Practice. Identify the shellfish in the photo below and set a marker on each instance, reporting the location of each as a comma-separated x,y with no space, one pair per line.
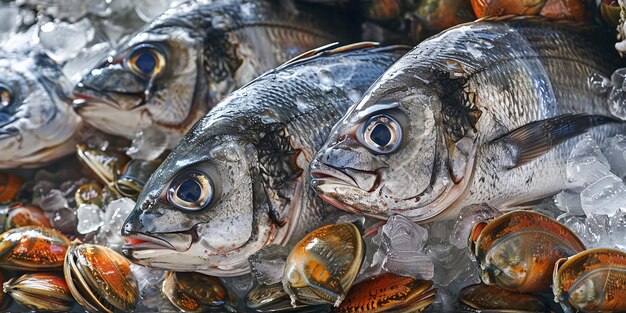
322,266
9,187
485,297
100,279
44,291
21,214
32,248
593,280
517,251
195,292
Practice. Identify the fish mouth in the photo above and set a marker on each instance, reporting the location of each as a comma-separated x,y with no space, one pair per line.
139,242
322,173
8,132
84,96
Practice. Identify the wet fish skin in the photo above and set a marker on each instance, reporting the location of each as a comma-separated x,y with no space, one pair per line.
463,99
198,51
37,123
255,147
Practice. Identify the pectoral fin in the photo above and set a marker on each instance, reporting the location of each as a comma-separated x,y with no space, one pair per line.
533,140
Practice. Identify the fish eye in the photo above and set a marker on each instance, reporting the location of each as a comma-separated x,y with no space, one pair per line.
146,61
381,133
191,191
5,97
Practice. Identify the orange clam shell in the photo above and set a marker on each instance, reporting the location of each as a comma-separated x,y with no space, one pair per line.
21,214
484,8
485,297
388,292
9,187
592,281
517,251
573,10
194,292
32,248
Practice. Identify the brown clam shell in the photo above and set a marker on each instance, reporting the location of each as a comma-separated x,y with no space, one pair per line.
9,187
322,266
194,292
484,297
484,8
32,248
571,10
90,193
517,251
388,292
592,281
21,214
46,291
100,279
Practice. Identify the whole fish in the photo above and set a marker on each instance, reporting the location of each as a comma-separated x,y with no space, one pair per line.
37,123
180,65
238,180
486,112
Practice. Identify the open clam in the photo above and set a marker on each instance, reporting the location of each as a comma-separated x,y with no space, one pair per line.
195,292
322,266
44,291
517,251
32,248
100,279
388,292
21,214
591,281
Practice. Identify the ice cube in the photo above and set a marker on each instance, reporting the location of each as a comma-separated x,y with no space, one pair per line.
75,68
599,84
617,230
598,231
402,241
605,196
586,164
239,284
64,220
468,217
89,218
147,10
53,201
578,225
453,266
439,232
149,281
8,20
148,144
617,97
615,152
268,264
63,41
569,201
110,234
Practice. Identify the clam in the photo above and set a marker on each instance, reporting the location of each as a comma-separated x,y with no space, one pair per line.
100,279
44,291
9,187
134,177
90,193
32,248
517,251
610,12
104,166
591,281
195,292
273,298
21,214
570,10
483,297
322,266
503,7
388,292
382,10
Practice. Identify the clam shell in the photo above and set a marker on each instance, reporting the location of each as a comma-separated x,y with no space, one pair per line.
100,279
503,7
593,280
194,292
322,266
9,187
90,193
388,292
41,292
26,215
517,250
484,297
273,298
32,248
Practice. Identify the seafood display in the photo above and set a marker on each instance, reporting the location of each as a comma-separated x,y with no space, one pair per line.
313,156
238,181
180,65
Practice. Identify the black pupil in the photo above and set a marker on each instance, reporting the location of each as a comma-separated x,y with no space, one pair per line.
381,135
189,191
146,62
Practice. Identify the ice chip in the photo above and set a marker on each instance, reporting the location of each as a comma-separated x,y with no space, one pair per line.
63,41
268,264
468,217
402,241
147,10
599,84
149,281
569,201
8,20
75,68
453,266
577,224
605,196
89,218
148,144
64,220
615,152
53,201
617,230
586,164
598,231
617,97
110,234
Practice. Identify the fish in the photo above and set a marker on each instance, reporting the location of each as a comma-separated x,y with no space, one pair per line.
175,69
238,181
485,112
37,122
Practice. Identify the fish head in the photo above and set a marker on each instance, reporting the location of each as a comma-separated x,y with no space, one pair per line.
37,123
155,78
390,154
202,210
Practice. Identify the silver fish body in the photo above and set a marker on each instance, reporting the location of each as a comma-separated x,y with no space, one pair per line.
171,73
486,112
238,180
37,123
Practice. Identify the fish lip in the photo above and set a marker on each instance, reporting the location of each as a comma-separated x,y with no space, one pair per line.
8,132
322,172
151,243
85,96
